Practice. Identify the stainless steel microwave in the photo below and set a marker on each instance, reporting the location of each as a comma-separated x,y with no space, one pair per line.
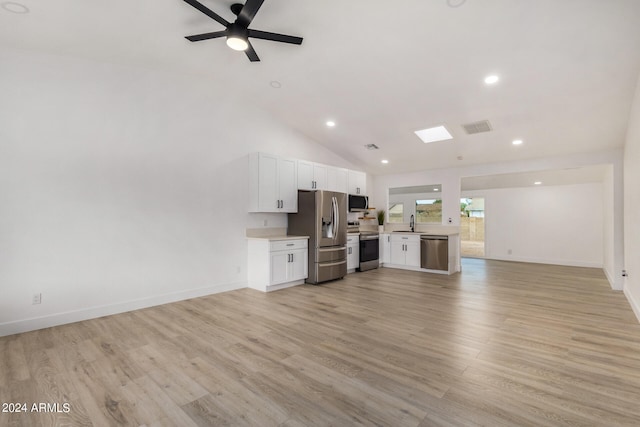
358,203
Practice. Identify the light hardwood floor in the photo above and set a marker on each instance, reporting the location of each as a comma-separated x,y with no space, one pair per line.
501,344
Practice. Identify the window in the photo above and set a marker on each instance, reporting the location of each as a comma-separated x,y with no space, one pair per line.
429,210
396,212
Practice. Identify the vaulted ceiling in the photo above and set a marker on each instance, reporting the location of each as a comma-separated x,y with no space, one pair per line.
383,69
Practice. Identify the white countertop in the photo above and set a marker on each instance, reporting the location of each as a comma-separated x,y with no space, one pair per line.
424,233
276,238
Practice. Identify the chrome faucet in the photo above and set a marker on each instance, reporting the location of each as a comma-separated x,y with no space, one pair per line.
412,224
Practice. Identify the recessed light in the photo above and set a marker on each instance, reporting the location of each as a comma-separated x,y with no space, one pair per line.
516,142
331,123
384,161
13,7
537,183
275,84
434,134
492,79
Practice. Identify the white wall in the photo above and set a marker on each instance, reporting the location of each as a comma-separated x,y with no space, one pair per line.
122,187
632,206
548,224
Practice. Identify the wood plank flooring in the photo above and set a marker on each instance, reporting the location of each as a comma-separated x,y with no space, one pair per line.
501,344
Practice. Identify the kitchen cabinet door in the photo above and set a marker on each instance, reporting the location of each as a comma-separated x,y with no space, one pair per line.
357,182
272,184
337,179
353,252
412,253
305,175
312,176
279,267
288,185
298,267
385,248
398,255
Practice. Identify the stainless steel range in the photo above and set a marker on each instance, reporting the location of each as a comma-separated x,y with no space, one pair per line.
369,250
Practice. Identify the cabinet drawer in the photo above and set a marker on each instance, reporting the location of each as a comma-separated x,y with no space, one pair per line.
287,245
353,239
404,238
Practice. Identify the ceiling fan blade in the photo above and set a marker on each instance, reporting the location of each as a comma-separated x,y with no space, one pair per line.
251,53
264,35
211,14
206,36
248,12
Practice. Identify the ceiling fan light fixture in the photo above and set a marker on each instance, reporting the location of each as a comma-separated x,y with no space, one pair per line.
237,43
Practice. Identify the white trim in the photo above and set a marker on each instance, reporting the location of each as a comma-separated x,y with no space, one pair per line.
568,263
612,281
634,305
32,324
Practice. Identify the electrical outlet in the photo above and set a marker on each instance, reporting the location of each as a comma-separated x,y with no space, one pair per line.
37,299
266,222
509,251
238,269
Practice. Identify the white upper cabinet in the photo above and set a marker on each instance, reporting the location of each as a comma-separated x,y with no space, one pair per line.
312,176
272,183
357,182
337,179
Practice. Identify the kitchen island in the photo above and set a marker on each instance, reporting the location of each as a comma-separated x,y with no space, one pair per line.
405,250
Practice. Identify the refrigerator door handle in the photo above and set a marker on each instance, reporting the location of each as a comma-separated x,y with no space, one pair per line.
336,221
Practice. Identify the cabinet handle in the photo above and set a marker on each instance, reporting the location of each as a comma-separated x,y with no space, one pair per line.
349,251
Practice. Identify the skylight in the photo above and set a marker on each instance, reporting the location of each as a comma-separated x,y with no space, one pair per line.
438,133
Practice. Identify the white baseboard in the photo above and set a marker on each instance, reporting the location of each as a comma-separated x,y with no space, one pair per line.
569,263
635,306
32,324
616,286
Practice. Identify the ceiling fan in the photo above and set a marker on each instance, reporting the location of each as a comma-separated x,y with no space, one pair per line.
238,32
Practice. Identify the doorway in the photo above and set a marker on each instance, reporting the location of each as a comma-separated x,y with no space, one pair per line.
472,227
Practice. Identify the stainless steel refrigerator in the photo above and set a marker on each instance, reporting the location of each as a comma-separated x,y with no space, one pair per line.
322,215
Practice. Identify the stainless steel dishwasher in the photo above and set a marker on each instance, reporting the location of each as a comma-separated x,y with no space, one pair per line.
434,252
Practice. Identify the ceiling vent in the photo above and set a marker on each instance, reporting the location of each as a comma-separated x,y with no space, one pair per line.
477,127
371,147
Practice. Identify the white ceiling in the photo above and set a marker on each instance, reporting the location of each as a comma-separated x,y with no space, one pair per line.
382,70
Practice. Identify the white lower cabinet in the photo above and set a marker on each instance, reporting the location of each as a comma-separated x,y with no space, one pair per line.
277,264
353,253
405,250
385,248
